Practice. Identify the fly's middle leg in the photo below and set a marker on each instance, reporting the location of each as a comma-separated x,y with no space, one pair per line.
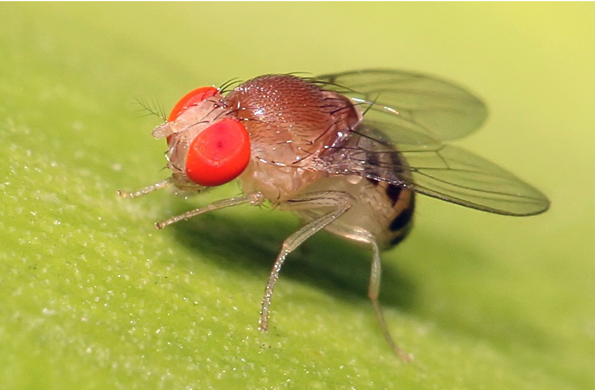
255,199
339,203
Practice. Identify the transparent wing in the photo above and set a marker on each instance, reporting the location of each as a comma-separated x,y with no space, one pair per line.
421,103
429,167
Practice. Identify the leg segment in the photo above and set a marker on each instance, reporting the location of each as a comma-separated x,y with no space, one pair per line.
339,201
146,190
373,293
374,290
255,199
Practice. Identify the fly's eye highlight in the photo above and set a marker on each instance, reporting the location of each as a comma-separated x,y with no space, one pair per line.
192,98
218,154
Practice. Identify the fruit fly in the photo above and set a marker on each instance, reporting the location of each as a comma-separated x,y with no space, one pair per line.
346,152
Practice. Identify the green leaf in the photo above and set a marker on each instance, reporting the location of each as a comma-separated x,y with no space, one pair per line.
93,297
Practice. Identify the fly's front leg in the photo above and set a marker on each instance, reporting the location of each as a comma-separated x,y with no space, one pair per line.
146,190
254,198
339,201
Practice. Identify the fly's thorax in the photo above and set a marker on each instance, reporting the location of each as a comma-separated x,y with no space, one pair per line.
290,119
291,122
277,183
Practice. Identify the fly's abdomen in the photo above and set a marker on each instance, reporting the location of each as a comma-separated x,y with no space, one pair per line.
380,209
399,221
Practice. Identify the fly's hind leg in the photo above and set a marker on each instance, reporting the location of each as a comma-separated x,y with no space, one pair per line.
374,292
339,202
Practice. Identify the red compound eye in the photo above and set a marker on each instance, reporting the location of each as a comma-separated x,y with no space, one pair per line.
218,154
190,99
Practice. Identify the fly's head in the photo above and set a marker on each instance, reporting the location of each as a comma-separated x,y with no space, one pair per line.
208,145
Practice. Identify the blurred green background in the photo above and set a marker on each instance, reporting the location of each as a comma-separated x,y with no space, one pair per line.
91,296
